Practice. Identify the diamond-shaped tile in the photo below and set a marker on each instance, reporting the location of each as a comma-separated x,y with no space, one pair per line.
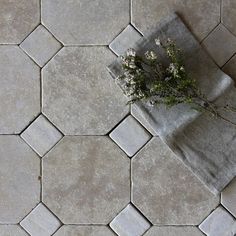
130,136
40,222
218,223
125,40
41,135
220,44
228,197
40,45
130,222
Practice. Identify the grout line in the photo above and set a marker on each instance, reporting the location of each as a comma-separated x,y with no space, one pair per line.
221,5
229,30
41,91
130,11
227,61
209,33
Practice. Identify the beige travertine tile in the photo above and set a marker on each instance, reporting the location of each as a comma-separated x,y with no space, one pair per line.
174,231
19,183
17,19
165,191
72,230
230,68
85,22
19,90
79,96
220,44
12,230
86,180
200,15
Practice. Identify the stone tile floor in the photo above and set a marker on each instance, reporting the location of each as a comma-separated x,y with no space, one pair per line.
75,160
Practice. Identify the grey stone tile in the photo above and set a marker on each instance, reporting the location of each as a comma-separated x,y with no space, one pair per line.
19,90
174,231
19,171
201,16
228,198
85,22
41,135
12,230
165,191
136,114
79,96
219,223
40,222
18,18
40,45
230,68
69,230
129,222
229,14
130,136
86,180
220,44
125,40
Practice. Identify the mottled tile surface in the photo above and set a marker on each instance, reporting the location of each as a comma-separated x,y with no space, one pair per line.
12,230
79,96
19,90
17,19
200,15
84,231
19,184
86,180
230,68
87,22
165,190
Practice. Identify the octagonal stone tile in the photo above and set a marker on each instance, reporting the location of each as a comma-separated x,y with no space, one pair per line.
72,230
165,191
229,14
200,15
85,22
19,184
17,19
86,180
174,231
12,230
79,96
19,90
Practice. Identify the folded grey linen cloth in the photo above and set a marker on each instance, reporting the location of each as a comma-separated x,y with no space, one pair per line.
205,144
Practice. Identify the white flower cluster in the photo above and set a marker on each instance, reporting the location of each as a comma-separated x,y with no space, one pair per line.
150,55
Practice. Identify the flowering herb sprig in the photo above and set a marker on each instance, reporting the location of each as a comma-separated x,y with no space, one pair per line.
146,79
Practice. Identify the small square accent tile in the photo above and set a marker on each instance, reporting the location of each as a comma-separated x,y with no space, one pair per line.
218,223
130,222
228,197
220,44
125,40
130,136
40,222
40,45
41,135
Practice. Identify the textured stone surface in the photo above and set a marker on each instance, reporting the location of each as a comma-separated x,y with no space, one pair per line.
219,223
85,22
19,90
78,94
40,222
230,68
130,136
19,171
84,231
174,231
125,40
229,14
80,184
165,190
41,135
220,44
200,15
228,197
18,18
12,230
40,45
130,222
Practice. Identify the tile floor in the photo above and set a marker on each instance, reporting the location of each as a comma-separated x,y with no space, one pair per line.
75,160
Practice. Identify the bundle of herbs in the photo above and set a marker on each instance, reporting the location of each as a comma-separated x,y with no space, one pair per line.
146,79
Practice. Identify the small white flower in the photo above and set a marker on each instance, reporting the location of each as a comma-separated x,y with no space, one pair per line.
150,55
131,52
158,42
